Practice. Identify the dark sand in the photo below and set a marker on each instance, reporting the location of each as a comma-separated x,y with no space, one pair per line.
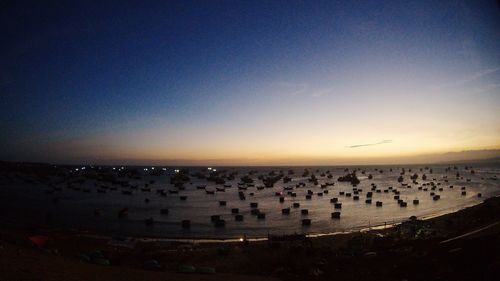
397,253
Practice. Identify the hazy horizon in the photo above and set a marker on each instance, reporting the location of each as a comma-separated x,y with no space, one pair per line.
470,156
249,82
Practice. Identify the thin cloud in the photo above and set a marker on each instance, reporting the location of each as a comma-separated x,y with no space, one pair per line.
469,78
321,93
369,144
487,88
290,88
303,89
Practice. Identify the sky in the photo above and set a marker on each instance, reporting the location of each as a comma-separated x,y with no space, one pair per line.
247,82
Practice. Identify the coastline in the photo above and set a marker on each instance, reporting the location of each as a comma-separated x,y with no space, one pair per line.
209,240
365,228
254,260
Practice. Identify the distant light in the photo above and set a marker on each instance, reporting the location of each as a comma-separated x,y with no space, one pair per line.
209,168
114,168
76,169
241,239
152,168
214,170
176,171
164,169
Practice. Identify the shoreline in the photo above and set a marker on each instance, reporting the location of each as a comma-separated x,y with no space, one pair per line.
202,231
213,240
337,255
359,229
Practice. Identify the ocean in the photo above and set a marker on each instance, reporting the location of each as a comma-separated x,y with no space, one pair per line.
91,198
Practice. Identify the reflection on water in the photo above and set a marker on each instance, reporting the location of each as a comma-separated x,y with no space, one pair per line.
28,203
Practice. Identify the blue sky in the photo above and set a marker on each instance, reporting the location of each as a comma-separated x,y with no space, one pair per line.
205,80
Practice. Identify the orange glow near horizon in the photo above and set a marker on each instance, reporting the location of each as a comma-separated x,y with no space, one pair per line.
271,147
301,83
278,127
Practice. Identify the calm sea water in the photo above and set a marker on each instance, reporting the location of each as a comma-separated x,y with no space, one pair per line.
29,204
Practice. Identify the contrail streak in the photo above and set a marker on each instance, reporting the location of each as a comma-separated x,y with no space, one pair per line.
369,144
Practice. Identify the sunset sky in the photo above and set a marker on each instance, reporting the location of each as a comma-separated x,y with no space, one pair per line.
248,82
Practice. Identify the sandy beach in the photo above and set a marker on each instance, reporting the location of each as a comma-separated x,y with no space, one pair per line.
388,254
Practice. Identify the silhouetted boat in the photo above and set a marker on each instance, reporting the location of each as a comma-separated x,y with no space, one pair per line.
186,224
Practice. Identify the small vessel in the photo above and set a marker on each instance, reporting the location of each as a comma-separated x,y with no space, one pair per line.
186,224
